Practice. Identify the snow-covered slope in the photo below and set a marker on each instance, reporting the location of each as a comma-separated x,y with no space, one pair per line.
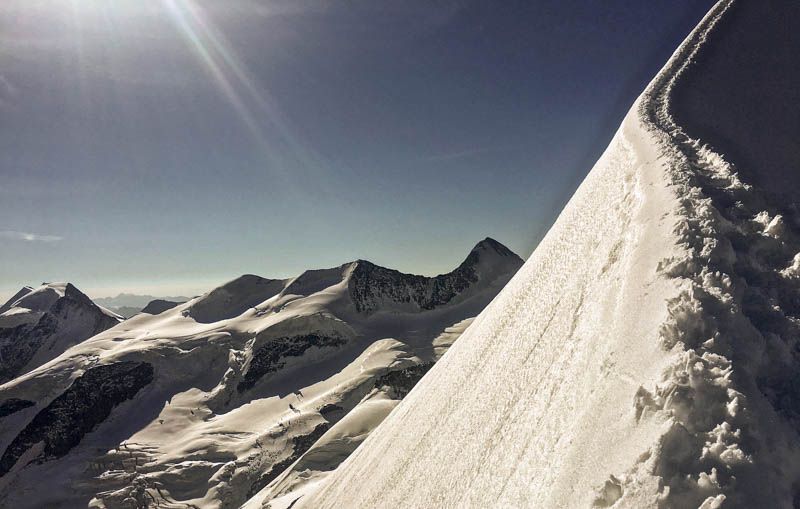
37,325
646,355
212,402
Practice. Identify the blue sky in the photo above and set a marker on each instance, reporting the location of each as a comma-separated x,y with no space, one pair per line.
169,145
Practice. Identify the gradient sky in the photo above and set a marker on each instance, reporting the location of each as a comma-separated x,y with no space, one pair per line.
165,146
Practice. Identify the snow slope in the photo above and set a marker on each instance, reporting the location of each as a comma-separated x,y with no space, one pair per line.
208,403
37,325
646,355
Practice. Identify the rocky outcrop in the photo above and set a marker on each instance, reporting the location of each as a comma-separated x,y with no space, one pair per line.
14,405
62,424
300,444
19,344
398,383
270,357
372,286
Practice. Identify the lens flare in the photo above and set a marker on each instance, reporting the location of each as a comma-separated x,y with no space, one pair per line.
253,105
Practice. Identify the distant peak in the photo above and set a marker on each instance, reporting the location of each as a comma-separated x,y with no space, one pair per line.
14,298
491,244
72,292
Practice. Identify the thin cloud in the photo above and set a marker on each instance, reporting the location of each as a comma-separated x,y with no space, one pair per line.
7,91
28,237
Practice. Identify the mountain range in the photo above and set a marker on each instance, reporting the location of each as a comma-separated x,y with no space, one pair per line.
258,388
128,304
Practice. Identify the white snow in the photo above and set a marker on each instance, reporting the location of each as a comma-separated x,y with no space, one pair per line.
642,357
192,436
50,329
510,416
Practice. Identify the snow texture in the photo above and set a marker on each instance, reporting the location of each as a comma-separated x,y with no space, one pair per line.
256,390
646,355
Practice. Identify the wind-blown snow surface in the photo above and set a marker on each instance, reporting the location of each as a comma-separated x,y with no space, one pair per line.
646,355
255,390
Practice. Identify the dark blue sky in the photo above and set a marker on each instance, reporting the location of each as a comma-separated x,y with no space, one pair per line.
166,146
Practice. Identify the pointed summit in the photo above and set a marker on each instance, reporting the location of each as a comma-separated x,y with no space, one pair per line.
39,324
489,244
492,254
10,303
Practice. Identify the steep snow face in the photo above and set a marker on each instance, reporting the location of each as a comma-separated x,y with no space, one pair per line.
37,325
646,354
233,298
256,390
510,416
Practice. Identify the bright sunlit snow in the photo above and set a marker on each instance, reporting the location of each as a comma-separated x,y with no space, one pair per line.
644,356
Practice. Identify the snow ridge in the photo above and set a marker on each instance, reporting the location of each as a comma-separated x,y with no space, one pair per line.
653,335
730,391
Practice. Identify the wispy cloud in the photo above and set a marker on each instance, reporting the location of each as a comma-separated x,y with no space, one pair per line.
7,92
28,237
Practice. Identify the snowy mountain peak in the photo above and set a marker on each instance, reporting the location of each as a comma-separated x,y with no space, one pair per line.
222,395
43,322
370,287
234,297
490,255
14,298
489,244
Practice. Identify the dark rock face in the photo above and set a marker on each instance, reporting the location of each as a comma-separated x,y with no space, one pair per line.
371,286
18,345
270,357
398,383
329,410
86,403
300,444
14,405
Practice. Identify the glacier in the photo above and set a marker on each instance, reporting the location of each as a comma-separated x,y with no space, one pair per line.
253,391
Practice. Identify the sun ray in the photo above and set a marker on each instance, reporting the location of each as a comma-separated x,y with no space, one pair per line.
252,103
